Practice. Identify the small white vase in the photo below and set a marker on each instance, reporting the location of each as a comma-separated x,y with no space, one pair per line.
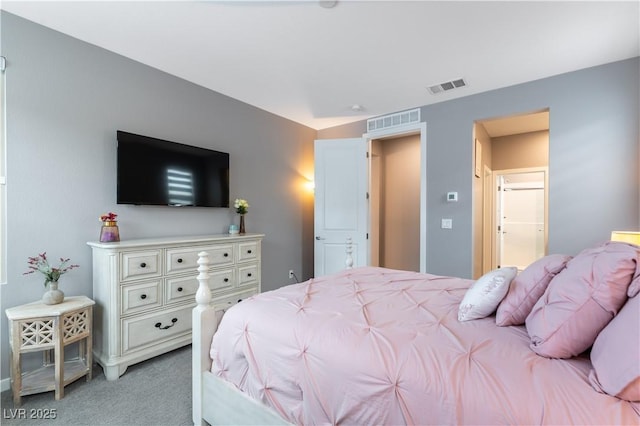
52,296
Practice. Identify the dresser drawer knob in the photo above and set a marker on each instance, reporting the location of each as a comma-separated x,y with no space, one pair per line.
143,296
179,288
239,300
226,255
249,251
179,260
143,265
249,274
226,280
173,322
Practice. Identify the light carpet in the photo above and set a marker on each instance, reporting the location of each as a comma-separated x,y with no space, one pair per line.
153,392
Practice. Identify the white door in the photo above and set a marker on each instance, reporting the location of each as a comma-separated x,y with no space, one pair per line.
521,219
341,206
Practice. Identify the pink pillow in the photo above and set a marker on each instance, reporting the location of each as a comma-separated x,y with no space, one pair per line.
616,355
582,299
634,287
527,287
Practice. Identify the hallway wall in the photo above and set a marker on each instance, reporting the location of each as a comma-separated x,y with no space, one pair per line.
400,204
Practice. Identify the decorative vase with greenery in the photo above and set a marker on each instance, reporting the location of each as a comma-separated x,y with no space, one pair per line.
40,263
242,207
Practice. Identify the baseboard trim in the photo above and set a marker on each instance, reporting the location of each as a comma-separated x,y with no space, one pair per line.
5,384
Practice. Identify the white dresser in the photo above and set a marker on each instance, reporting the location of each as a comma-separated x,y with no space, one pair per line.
145,291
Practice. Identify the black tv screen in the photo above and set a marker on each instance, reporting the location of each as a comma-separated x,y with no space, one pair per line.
158,172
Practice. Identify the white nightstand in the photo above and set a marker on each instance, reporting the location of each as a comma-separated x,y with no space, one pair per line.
38,327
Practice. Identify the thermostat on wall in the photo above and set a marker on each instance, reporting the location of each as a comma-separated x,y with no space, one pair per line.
452,196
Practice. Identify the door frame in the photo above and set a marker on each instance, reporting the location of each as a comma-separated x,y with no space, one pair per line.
488,220
405,130
495,176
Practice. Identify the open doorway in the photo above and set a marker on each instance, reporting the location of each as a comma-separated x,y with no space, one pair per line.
394,203
511,150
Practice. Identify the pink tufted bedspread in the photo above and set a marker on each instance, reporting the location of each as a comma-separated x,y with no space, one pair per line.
378,346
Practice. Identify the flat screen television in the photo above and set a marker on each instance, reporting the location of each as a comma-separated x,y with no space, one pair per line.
157,172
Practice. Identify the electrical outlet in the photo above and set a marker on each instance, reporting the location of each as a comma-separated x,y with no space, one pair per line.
290,273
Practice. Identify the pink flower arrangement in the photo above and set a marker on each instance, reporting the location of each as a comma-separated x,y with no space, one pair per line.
40,263
108,217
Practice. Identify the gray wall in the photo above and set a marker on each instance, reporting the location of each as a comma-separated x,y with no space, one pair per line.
593,159
65,101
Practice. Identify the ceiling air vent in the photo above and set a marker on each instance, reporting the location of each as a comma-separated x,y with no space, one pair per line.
447,85
393,120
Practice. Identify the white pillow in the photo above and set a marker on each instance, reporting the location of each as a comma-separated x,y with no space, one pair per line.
484,295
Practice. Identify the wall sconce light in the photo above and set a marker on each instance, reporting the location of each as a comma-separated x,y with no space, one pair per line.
310,185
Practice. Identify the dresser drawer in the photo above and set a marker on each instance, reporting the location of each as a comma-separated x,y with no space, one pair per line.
248,251
247,274
180,289
140,264
182,259
186,259
220,255
155,328
138,297
184,288
219,280
230,300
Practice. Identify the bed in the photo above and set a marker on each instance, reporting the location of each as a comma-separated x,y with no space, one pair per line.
378,346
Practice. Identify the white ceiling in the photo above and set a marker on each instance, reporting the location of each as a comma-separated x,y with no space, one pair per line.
311,64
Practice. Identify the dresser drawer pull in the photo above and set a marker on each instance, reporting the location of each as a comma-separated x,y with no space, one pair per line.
226,280
179,260
179,288
248,251
239,300
173,322
226,255
143,296
249,274
143,265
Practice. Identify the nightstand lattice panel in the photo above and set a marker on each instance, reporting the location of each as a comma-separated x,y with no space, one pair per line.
37,333
75,325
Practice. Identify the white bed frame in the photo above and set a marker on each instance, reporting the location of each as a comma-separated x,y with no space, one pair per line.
215,401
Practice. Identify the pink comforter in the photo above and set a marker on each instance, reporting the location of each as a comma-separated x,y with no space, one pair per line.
379,346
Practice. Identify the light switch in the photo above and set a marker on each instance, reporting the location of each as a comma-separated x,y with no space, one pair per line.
447,224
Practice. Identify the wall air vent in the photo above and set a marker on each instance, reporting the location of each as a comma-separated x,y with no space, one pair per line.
447,85
393,120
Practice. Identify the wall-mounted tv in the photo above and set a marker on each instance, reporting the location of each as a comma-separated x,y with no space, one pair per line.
157,172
